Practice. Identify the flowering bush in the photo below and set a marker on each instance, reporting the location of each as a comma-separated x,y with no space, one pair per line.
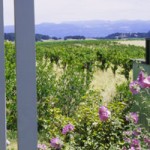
134,137
141,94
115,127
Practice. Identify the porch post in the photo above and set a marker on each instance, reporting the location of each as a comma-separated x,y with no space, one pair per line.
2,84
26,75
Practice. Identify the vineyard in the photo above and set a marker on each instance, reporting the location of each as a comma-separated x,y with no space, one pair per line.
65,71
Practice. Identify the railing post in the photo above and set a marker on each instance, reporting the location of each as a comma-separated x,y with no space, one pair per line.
26,75
148,51
2,84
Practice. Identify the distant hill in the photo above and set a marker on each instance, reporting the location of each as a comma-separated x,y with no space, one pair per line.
127,35
97,28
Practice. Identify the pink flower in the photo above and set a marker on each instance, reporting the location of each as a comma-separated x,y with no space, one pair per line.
136,144
140,79
134,87
42,147
133,117
127,140
124,148
132,148
146,82
104,113
56,143
69,127
137,132
127,133
147,140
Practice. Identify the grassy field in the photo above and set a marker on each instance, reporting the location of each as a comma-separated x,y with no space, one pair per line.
133,42
105,81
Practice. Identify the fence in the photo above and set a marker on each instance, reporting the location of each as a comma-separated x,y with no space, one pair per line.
26,76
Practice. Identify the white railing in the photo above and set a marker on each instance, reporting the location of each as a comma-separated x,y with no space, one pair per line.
26,76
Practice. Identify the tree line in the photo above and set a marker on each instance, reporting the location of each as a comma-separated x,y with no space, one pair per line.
41,37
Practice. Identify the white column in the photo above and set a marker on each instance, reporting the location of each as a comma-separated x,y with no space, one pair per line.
26,75
2,84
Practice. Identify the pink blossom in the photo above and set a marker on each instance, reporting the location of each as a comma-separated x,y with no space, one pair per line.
69,127
42,147
104,113
124,148
132,148
147,140
146,82
127,133
137,132
136,144
56,143
128,140
133,117
140,79
134,87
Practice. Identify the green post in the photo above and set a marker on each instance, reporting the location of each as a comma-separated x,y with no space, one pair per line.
143,106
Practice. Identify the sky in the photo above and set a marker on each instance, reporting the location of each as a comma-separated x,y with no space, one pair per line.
57,11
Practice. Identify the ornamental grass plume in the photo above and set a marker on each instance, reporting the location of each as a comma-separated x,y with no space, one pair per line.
68,128
104,113
56,143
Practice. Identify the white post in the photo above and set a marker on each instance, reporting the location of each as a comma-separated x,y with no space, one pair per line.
26,74
2,84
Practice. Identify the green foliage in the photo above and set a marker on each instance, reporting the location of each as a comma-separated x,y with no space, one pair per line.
91,55
142,106
64,74
10,75
70,89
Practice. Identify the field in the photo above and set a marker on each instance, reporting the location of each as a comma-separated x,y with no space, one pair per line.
133,42
73,79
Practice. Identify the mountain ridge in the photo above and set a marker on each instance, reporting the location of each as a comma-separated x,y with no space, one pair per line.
94,28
